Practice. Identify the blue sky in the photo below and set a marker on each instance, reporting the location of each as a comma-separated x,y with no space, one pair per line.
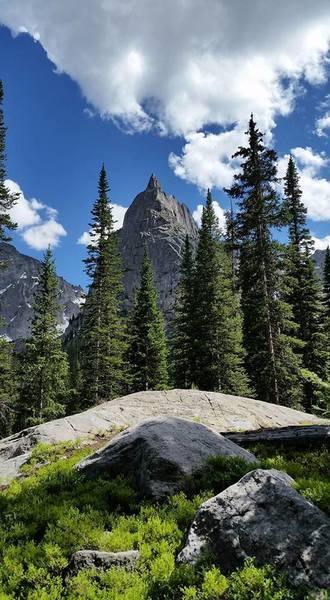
181,120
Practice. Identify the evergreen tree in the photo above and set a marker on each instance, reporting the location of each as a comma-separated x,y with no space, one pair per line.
268,327
183,338
44,366
326,284
8,387
218,354
147,353
103,335
304,288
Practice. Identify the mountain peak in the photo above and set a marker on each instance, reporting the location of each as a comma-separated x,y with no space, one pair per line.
153,183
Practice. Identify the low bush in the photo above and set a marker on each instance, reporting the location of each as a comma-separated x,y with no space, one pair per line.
52,512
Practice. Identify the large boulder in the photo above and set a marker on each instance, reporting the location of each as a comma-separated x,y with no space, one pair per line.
222,412
262,516
96,559
159,453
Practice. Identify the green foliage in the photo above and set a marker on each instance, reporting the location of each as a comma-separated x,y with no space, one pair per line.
268,327
103,335
304,291
53,512
7,199
217,343
183,326
44,365
147,353
8,387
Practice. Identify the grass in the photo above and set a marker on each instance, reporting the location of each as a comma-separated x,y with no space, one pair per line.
52,512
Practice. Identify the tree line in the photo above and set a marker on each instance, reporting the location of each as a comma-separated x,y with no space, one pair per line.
252,317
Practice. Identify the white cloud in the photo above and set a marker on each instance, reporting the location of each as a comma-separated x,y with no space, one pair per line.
118,213
206,158
219,211
38,230
315,188
179,65
47,234
322,243
322,124
24,212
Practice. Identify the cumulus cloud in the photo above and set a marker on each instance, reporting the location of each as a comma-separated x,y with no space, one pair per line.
24,212
322,243
322,124
118,213
219,211
47,234
36,222
178,66
315,188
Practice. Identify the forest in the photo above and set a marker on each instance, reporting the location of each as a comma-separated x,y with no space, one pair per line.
252,317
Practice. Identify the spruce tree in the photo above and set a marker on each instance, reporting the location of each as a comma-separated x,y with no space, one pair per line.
304,289
8,387
147,352
44,365
183,327
268,326
7,200
218,354
326,283
103,335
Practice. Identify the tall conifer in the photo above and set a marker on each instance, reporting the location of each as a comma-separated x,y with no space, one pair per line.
8,387
326,282
267,320
44,365
218,354
103,336
7,200
147,352
304,288
183,334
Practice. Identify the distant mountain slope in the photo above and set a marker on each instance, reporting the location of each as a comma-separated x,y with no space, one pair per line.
18,283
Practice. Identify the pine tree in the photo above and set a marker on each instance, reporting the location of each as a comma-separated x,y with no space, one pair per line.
326,283
103,335
183,334
44,366
7,200
147,352
268,327
8,387
218,354
304,288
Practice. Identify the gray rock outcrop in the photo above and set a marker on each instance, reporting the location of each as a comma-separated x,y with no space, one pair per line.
262,516
221,412
159,222
18,283
159,453
95,559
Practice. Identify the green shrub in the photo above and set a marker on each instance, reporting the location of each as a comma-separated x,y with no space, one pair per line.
52,512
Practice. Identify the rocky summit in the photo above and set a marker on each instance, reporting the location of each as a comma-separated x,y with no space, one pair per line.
18,282
160,223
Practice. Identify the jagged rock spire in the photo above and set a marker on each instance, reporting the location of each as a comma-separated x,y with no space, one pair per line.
153,183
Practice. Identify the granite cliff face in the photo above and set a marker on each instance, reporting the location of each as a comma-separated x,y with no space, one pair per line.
154,219
18,283
319,259
159,222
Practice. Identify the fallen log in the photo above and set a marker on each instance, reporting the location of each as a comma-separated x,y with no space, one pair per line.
296,435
